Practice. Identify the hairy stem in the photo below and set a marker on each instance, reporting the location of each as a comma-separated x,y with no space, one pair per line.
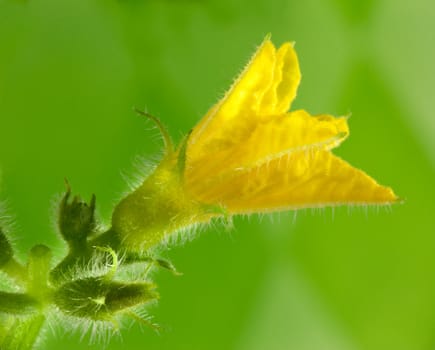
23,334
79,258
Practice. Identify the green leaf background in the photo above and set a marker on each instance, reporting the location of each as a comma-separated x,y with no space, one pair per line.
344,279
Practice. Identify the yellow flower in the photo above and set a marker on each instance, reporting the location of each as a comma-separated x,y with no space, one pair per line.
248,155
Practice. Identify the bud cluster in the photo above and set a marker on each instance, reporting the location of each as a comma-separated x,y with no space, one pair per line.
84,286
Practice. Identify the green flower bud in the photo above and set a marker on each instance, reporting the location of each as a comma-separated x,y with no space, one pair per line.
99,299
76,218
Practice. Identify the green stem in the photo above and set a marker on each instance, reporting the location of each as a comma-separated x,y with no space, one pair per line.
79,258
108,239
23,333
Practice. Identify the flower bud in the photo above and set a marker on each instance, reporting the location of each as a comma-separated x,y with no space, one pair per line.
76,218
99,299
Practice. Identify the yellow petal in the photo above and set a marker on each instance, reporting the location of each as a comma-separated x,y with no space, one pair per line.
265,89
286,77
271,140
301,180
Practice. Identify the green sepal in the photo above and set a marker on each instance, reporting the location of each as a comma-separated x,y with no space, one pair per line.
166,264
181,161
17,303
98,299
132,258
167,140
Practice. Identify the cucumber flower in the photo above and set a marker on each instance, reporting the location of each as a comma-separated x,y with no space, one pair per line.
249,154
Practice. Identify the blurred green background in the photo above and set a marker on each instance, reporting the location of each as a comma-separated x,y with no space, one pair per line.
349,279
